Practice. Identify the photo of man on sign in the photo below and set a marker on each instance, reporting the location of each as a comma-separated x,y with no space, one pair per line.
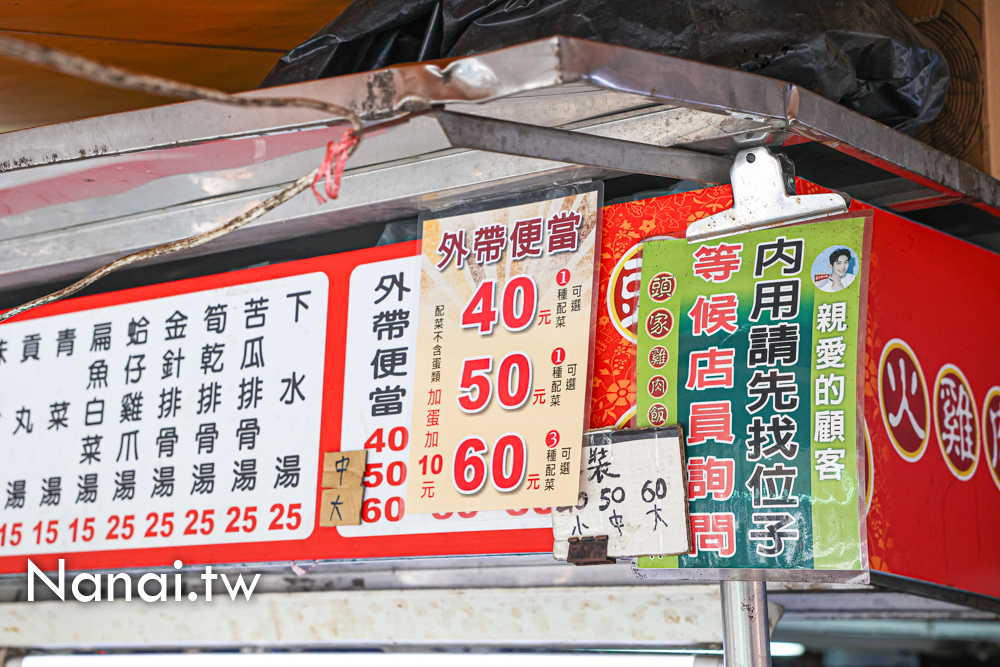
835,268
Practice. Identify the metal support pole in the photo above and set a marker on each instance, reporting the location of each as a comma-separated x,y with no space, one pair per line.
745,636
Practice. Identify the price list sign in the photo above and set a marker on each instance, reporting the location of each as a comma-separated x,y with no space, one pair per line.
191,419
753,343
503,354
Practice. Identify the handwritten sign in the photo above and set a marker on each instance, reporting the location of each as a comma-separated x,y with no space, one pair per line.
632,490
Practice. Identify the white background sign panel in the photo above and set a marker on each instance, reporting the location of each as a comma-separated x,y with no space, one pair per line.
185,420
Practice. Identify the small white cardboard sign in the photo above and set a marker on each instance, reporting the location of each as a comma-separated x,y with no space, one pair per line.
632,489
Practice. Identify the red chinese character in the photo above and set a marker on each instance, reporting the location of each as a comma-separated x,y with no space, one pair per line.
716,264
657,414
661,286
452,245
538,397
713,532
563,233
533,481
711,420
710,476
659,323
711,369
524,237
489,242
544,317
717,313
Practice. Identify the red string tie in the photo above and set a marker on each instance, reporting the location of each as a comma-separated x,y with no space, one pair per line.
332,167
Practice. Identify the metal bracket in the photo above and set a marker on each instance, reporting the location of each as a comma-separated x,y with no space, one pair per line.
761,199
547,143
589,551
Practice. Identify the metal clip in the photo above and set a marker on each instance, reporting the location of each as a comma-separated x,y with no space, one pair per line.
589,550
761,199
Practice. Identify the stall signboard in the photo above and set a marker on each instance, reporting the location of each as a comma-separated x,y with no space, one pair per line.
503,353
193,420
753,344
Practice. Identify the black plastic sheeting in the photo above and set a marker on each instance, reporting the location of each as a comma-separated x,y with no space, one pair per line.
863,54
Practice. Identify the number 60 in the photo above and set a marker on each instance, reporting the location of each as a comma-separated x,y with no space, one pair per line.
509,462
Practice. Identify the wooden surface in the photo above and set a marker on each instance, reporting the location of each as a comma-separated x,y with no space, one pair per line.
226,45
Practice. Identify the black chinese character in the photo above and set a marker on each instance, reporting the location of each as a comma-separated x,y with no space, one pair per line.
299,301
781,250
91,449
15,494
137,332
782,429
211,358
170,360
386,362
292,389
170,402
176,324
209,396
388,401
391,322
253,353
255,312
124,485
102,337
772,344
165,441
206,436
601,467
51,491
163,482
250,393
781,297
288,472
24,421
64,343
94,415
387,284
134,367
776,530
773,385
129,445
246,475
204,479
773,487
98,375
247,433
656,517
131,407
31,343
215,318
87,488
57,416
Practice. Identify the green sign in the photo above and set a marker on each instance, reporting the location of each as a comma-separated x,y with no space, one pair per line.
751,344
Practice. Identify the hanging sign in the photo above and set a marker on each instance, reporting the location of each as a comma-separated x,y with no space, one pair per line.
754,344
632,491
503,353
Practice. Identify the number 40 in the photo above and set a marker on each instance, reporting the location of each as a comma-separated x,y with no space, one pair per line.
520,299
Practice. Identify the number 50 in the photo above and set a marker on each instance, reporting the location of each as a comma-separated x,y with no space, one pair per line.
509,462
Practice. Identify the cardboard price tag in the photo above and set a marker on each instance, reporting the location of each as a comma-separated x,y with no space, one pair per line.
632,489
343,472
